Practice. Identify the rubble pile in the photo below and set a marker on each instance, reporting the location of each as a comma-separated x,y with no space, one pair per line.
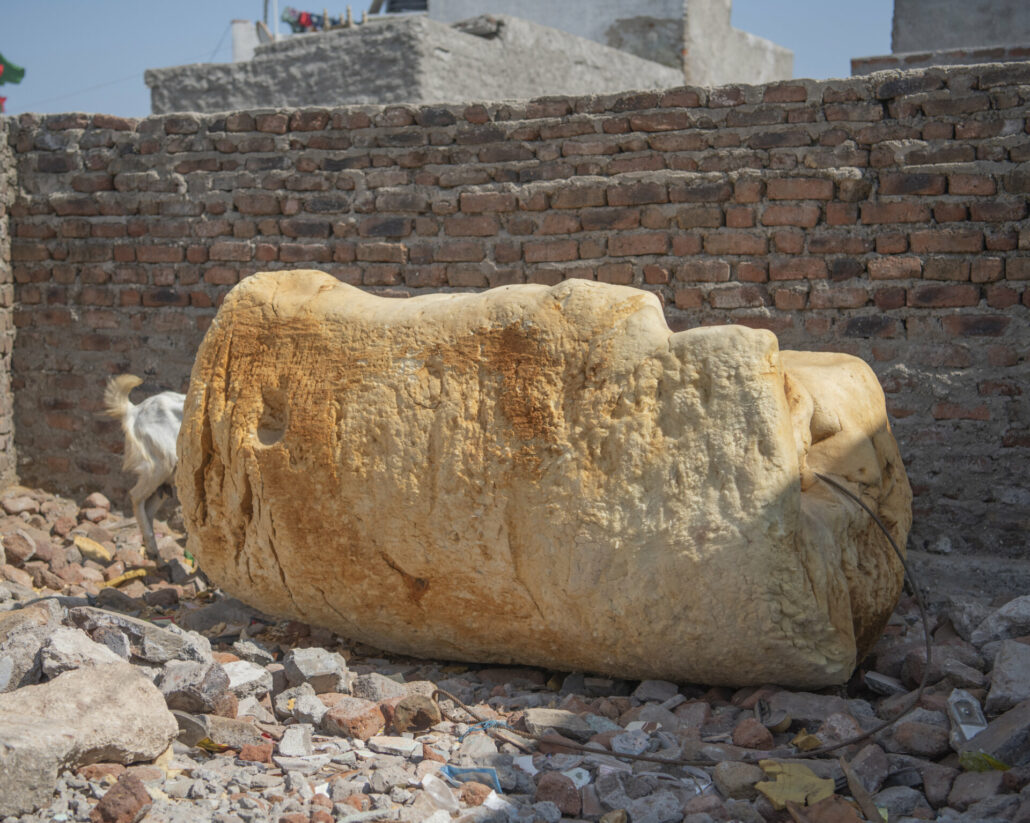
130,690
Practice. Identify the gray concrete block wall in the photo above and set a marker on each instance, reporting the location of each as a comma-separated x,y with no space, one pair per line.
941,25
884,216
409,59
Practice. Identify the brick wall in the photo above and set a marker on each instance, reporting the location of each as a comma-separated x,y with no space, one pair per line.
884,216
8,467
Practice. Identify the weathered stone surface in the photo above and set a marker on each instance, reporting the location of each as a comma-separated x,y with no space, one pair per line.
542,475
1010,677
100,713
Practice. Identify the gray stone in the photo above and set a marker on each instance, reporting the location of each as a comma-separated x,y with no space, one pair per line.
807,709
398,746
68,649
1011,620
301,704
148,642
899,800
1010,677
247,679
231,732
323,670
19,657
296,741
383,780
476,747
737,780
972,787
871,766
374,686
191,686
106,712
656,690
660,807
1006,738
253,651
251,707
564,722
966,614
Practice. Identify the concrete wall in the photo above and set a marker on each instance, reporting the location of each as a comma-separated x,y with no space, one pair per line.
934,25
717,53
408,59
694,35
884,216
652,29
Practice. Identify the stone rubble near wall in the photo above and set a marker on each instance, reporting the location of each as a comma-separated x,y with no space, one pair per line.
530,474
384,753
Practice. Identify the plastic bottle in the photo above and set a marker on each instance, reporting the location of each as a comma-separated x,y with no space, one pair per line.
440,793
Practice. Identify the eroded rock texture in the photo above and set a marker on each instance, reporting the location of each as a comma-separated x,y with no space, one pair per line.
542,475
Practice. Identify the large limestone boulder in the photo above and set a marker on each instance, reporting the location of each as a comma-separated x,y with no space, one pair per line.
541,475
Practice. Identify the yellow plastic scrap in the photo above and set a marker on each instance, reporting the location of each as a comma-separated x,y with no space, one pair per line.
125,578
207,744
92,550
804,741
792,782
981,762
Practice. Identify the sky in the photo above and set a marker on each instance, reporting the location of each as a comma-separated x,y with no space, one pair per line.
90,55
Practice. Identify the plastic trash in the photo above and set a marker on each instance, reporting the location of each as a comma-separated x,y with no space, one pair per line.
486,775
440,793
967,718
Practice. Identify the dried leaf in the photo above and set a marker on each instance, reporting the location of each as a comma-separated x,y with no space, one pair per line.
805,742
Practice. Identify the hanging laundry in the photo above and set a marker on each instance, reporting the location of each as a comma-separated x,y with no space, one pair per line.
10,73
302,21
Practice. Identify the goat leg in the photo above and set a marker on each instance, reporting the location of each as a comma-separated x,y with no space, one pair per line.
140,509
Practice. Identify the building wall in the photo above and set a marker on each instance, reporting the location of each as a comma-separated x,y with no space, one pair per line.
933,25
409,59
717,54
882,216
652,29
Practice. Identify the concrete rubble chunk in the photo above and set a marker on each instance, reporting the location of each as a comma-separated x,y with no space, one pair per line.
296,741
66,649
101,713
323,670
149,643
1008,621
247,679
738,425
1010,677
564,722
1006,738
191,686
374,686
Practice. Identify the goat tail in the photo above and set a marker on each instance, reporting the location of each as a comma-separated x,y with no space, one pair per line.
116,395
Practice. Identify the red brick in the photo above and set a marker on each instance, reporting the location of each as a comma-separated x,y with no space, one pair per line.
785,93
783,215
870,325
701,190
946,240
656,275
551,251
712,271
459,251
382,252
952,296
621,245
637,194
660,121
946,268
969,325
997,211
912,183
159,254
949,212
876,213
800,188
239,251
306,252
890,297
787,241
686,98
478,225
839,297
475,203
891,243
956,411
256,203
841,214
738,297
693,217
976,184
734,242
740,217
789,299
748,190
985,270
751,272
1017,268
689,298
577,197
619,273
609,219
798,268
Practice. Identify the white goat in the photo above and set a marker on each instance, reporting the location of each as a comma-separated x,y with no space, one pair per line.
151,429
